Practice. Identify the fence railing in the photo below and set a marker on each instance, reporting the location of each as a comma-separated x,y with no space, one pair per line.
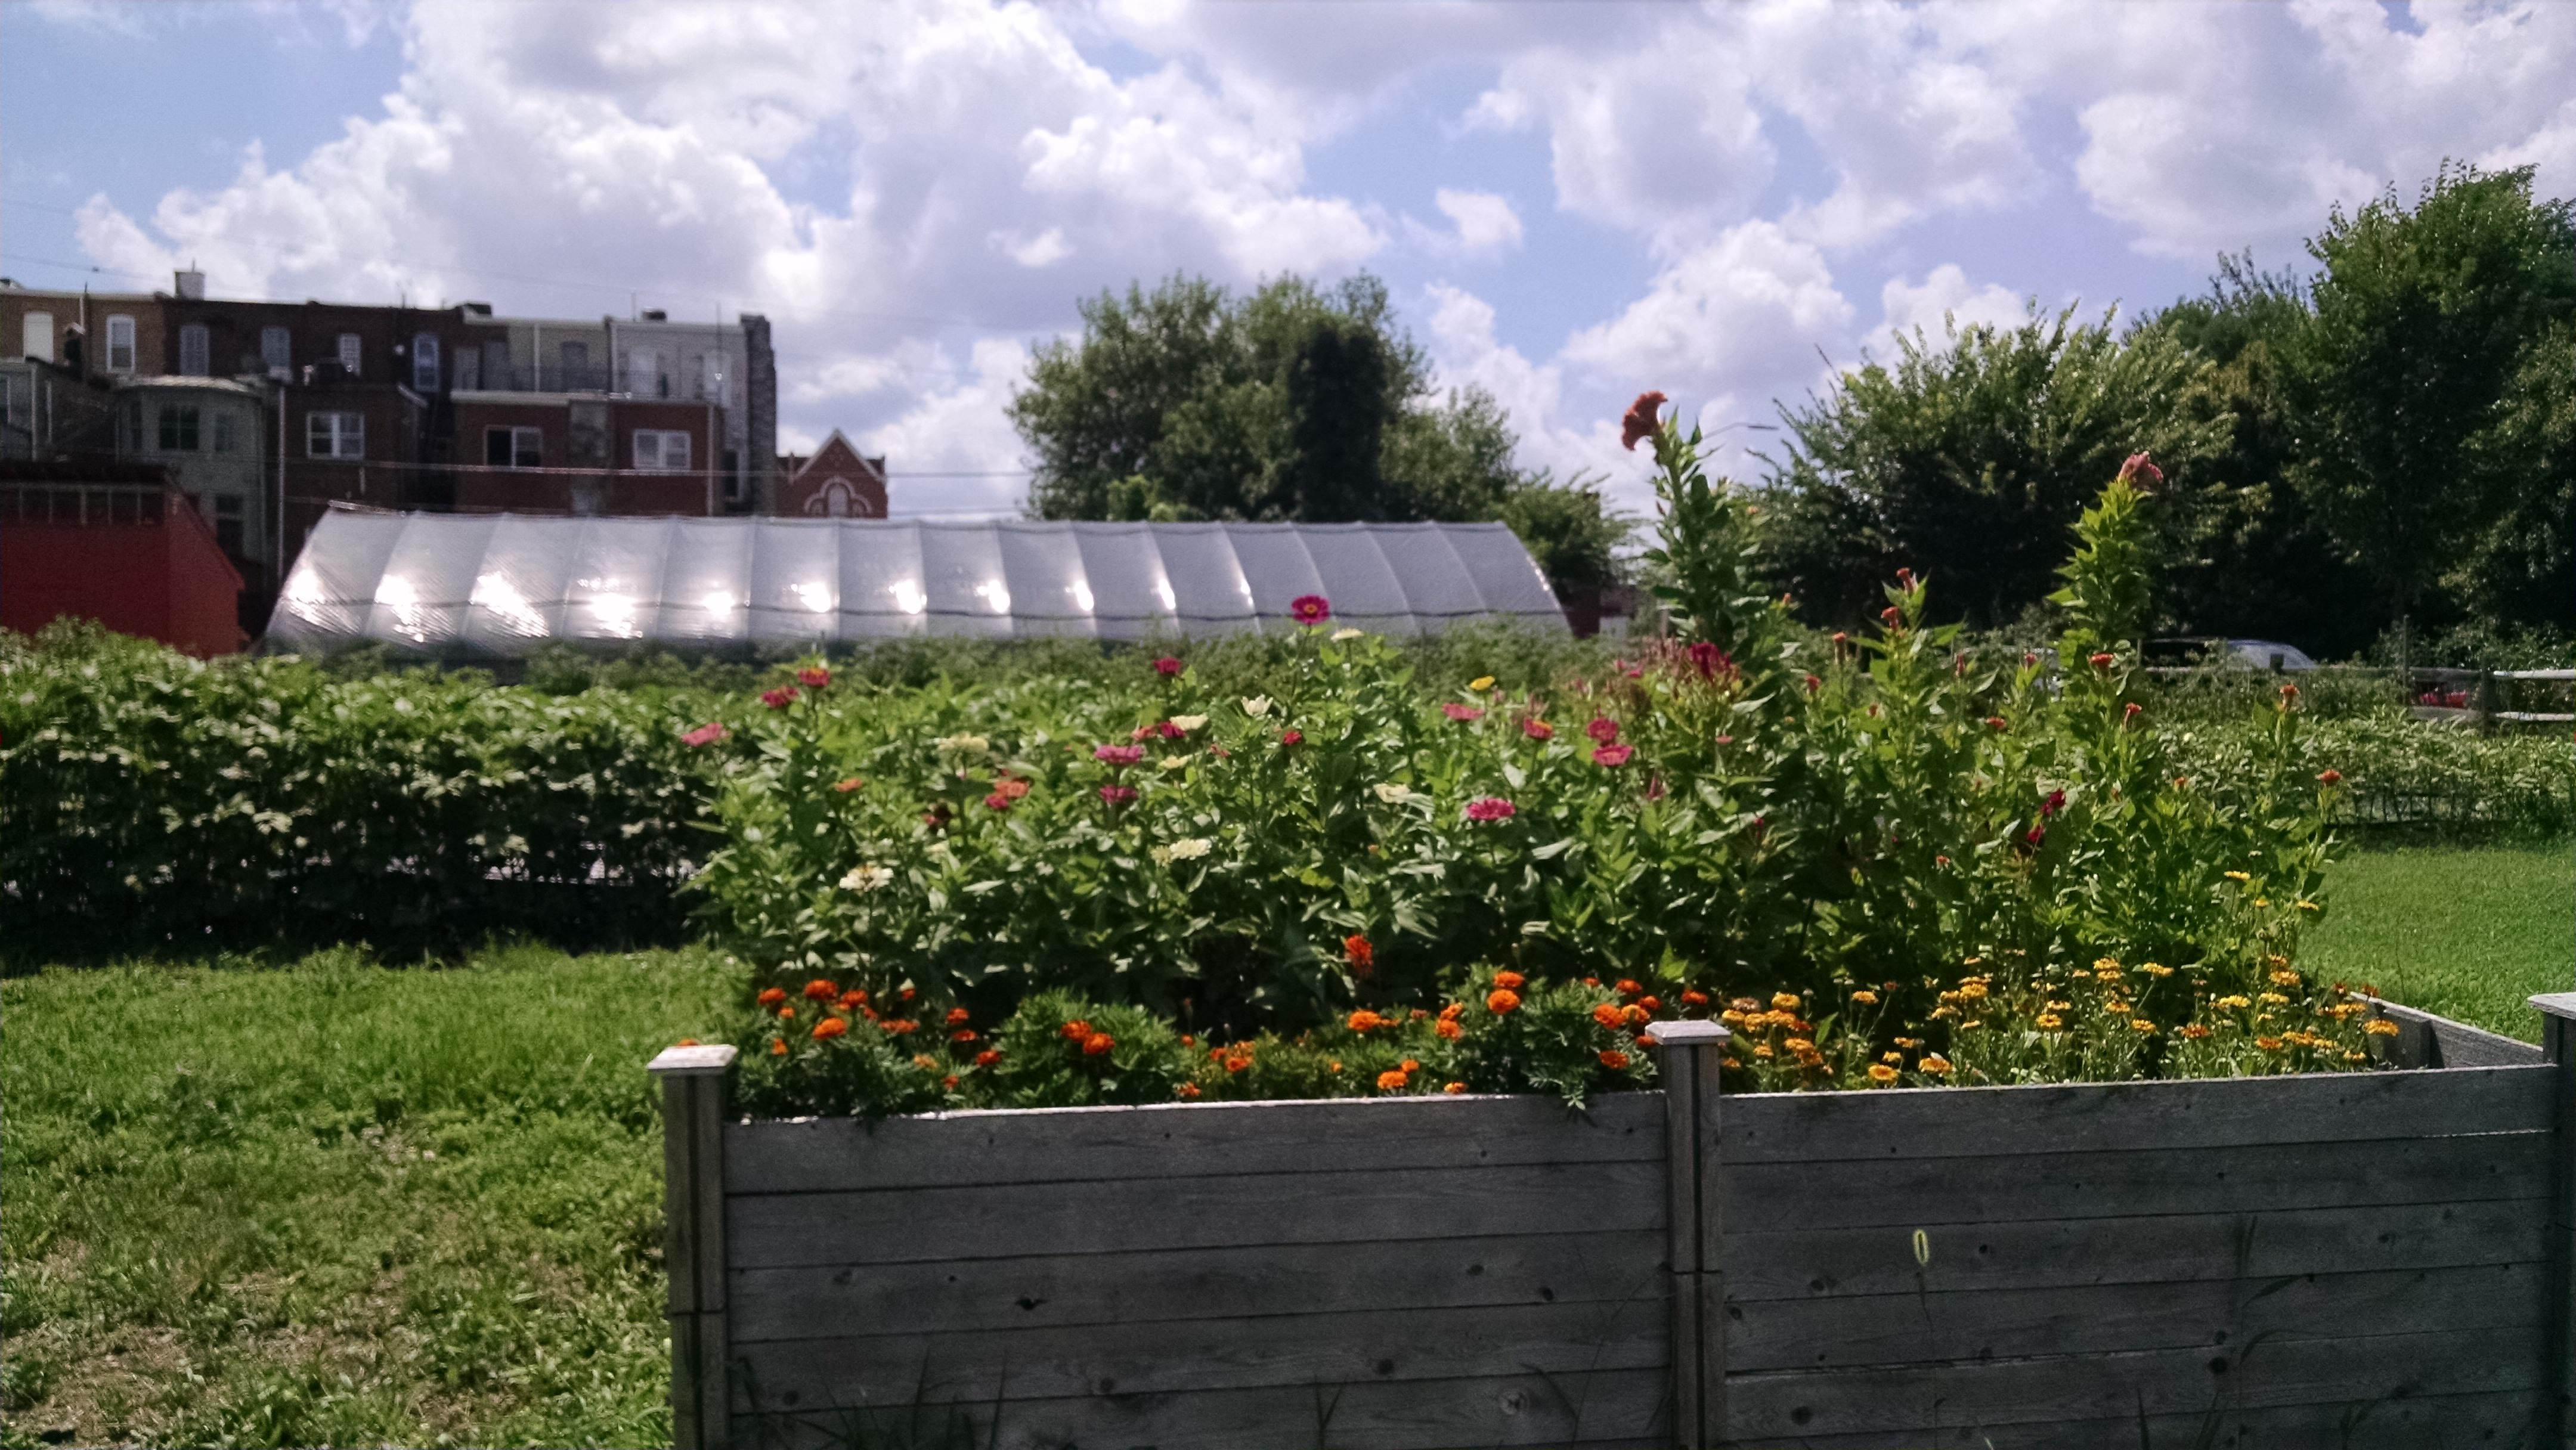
83,503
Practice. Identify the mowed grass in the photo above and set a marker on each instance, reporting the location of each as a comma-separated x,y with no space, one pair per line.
2469,932
339,1204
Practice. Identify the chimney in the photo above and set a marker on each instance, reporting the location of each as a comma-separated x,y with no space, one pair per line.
191,285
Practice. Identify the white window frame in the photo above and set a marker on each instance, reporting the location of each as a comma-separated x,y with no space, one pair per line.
277,349
424,362
665,443
119,322
644,372
36,336
196,350
350,352
533,438
331,434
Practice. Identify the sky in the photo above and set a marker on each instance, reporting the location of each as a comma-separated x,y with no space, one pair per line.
1570,200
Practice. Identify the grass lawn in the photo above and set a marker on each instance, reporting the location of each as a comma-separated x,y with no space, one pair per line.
338,1204
335,1203
2468,932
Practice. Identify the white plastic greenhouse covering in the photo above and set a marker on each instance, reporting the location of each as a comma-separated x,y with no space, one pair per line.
498,584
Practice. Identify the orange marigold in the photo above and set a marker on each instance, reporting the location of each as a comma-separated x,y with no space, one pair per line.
778,1047
1613,1059
854,998
987,1058
1448,1028
1502,1000
962,1034
1609,1015
830,1027
1628,987
1076,1030
1693,997
1097,1043
772,996
1635,1013
1364,1019
819,990
1390,1081
1409,1065
1454,1088
957,1016
1187,1090
1509,981
1652,1004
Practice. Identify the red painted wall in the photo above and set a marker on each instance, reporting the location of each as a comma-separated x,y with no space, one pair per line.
165,580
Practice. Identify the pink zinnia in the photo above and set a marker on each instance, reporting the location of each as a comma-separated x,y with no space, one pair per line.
1169,731
707,734
814,679
780,698
1612,754
1118,754
1292,737
1711,661
1118,795
1461,713
1491,808
1538,730
1603,729
997,802
1310,609
1167,666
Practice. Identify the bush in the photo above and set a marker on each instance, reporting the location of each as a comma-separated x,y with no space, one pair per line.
1756,816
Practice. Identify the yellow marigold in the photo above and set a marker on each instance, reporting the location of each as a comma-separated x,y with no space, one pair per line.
2061,1006
2155,969
1481,683
2285,978
1731,1017
1881,1073
2194,1031
2270,1044
1761,1049
1909,1043
1936,1064
1891,1057
2050,1021
1744,1004
1729,1062
2382,1027
2275,998
1799,1044
1865,997
2262,901
2233,1000
1454,1088
926,1063
1972,989
1972,1024
2106,964
1945,1011
2141,1024
1785,1001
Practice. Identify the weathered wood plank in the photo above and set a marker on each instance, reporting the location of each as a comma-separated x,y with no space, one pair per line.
926,1224
2427,1423
1177,1356
1184,1139
1919,1192
2270,1374
1811,1263
1851,1331
2438,1042
1106,1290
2197,1113
1611,1408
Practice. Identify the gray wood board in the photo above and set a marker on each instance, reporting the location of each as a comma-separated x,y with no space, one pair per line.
1179,1356
1052,1291
1182,1139
1853,1331
2433,1422
1918,1192
1609,1408
2157,1382
2457,1044
917,1225
2191,1113
1813,1263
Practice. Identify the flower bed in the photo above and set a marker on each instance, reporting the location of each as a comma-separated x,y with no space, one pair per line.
1877,859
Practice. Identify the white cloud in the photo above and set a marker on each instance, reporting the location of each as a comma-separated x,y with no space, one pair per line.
1942,299
1484,222
961,429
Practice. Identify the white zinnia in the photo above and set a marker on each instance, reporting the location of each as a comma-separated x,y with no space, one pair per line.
1189,722
867,878
1191,849
1257,706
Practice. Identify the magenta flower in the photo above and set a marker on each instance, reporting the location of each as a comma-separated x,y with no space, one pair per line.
2056,802
1310,609
1462,713
1167,667
2140,472
1491,808
1711,662
1118,754
1117,795
814,679
780,698
707,734
1292,737
1169,731
1603,729
1612,754
1538,730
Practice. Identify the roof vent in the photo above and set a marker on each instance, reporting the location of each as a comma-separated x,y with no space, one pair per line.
656,314
476,309
191,285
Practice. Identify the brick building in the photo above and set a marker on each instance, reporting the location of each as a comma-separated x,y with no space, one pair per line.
835,483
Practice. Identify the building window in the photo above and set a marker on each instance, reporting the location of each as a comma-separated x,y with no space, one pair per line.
576,369
661,450
335,435
424,364
349,354
193,359
36,336
178,427
228,523
276,349
711,379
227,428
120,343
513,448
469,369
644,374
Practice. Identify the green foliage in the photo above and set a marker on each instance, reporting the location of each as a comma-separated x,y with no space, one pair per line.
1707,557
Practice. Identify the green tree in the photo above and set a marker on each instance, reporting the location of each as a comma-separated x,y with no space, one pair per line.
1967,460
2428,386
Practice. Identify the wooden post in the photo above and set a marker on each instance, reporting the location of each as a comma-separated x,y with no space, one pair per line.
1688,1056
694,1080
2558,1013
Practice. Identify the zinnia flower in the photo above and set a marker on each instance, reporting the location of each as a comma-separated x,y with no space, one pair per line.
997,802
1640,421
814,679
1310,609
707,734
1461,713
1292,737
2056,802
1491,808
1603,730
830,1027
1502,1001
1117,795
780,698
2139,471
1710,661
1121,755
1167,667
1612,754
1538,729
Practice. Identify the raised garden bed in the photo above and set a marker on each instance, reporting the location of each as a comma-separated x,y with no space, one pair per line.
2362,1259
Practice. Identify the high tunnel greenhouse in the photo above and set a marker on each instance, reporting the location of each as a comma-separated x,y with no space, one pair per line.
499,584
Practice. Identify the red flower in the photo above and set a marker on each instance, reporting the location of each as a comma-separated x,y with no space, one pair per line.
854,998
1510,981
707,734
1310,609
997,802
957,1016
2329,777
772,996
1712,662
780,698
1491,808
2102,661
962,1034
2056,802
830,1027
1292,737
2140,471
1613,1059
1117,795
1641,421
1097,1043
1603,729
814,679
1461,713
819,990
1998,722
2131,713
987,1058
1904,578
1169,731
1538,729
847,786
1891,614
1118,754
1168,667
1613,755
1011,787
1360,954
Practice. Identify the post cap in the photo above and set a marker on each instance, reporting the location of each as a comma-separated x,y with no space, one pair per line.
1686,1034
685,1061
2556,1004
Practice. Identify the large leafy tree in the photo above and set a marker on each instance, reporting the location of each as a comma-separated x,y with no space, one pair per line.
1290,402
